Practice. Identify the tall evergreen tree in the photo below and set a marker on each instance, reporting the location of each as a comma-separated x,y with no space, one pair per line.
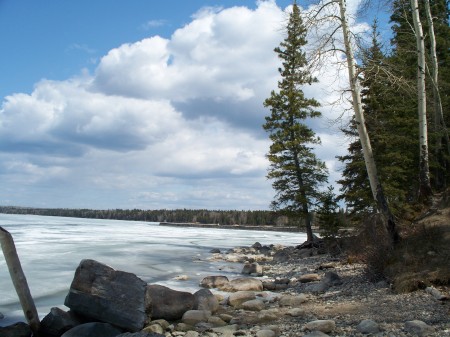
294,168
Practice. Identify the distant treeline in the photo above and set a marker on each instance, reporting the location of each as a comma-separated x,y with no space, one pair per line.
228,217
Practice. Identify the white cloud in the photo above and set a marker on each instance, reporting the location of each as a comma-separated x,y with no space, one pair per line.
161,123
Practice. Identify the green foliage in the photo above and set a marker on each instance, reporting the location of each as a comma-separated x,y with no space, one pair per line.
295,170
330,219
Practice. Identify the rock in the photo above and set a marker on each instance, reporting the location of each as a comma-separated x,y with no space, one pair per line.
154,328
257,245
191,334
243,284
253,305
237,298
204,299
214,281
2,316
167,303
216,321
332,279
184,327
436,294
57,322
139,334
93,329
192,317
252,268
316,334
265,316
266,333
368,326
316,288
16,330
309,278
225,330
321,325
215,251
162,322
296,312
181,278
292,301
102,293
418,328
226,317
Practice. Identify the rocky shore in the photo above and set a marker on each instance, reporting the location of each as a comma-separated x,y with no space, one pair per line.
284,292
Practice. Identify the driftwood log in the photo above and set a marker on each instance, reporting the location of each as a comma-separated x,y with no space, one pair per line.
19,280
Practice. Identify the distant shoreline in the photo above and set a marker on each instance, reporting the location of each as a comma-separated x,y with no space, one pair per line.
242,227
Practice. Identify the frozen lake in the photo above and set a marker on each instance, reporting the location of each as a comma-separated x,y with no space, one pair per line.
50,249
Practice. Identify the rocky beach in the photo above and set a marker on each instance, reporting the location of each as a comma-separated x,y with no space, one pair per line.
283,291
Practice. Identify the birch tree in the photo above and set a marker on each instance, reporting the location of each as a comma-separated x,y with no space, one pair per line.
424,168
355,88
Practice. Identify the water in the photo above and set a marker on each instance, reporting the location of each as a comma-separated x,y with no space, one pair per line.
50,249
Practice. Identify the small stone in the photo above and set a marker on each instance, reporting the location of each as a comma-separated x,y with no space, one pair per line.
309,278
418,328
267,316
191,334
226,318
325,326
181,278
226,329
236,299
368,326
292,301
316,334
216,321
265,333
215,251
296,312
154,328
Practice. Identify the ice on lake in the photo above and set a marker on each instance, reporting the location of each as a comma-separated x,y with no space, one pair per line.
50,249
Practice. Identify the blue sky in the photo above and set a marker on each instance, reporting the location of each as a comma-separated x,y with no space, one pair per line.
144,104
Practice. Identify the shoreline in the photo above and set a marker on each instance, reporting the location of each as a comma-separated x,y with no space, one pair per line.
238,227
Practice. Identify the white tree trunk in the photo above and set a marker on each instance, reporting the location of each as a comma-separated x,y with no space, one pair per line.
424,174
19,280
355,87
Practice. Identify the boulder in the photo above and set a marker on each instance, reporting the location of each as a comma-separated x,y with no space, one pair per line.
167,303
102,293
214,281
204,299
57,322
316,334
243,284
237,298
266,333
93,329
16,330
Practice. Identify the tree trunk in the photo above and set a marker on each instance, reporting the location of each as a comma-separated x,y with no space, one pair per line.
369,160
424,169
19,280
439,122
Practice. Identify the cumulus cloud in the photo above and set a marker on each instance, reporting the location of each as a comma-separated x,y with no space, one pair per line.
160,123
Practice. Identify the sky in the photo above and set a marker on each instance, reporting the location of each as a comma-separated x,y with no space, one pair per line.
146,104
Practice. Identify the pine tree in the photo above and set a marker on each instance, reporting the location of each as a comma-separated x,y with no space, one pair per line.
295,170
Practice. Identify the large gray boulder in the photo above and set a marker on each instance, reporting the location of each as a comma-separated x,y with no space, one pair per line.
101,293
167,303
93,329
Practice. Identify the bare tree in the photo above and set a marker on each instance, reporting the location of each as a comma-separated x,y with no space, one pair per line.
325,9
439,122
424,169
